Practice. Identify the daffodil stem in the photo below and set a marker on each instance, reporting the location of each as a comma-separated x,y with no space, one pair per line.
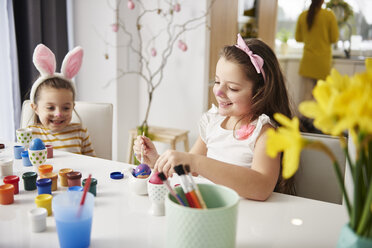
366,214
340,179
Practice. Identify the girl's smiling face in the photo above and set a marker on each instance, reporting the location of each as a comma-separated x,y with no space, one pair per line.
54,108
233,91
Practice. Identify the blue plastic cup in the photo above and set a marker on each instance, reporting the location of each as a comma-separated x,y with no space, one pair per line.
18,151
75,188
44,186
25,159
74,222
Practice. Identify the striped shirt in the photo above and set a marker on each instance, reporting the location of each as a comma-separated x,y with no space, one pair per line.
74,138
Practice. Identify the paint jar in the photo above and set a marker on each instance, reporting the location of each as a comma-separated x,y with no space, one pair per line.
63,177
54,177
93,185
75,188
49,151
12,179
29,180
44,201
37,218
6,166
74,178
25,159
17,151
6,194
44,186
45,168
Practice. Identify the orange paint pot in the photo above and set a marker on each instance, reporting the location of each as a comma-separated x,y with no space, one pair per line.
6,194
54,177
45,168
63,177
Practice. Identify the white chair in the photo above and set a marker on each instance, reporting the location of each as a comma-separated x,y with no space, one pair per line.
96,117
316,177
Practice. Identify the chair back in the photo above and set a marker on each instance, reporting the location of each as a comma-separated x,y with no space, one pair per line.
316,177
96,117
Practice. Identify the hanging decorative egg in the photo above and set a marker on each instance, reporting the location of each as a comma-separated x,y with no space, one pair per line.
182,45
180,42
177,7
130,4
153,52
115,27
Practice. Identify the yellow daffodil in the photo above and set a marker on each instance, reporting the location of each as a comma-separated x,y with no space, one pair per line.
341,104
287,139
328,108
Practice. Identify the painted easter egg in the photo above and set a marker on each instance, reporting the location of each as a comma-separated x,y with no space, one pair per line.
142,171
37,144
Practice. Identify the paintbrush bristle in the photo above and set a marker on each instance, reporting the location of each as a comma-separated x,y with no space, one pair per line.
179,169
187,168
162,176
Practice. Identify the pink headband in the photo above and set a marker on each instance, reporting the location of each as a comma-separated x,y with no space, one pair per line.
256,60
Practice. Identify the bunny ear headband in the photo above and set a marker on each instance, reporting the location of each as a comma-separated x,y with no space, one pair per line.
256,60
45,62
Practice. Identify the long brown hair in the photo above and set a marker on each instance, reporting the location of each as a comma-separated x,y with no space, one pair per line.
269,95
314,8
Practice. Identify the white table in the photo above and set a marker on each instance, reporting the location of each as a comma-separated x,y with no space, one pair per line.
121,218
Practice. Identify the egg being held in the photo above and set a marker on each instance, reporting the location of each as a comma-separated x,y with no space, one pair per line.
37,144
142,171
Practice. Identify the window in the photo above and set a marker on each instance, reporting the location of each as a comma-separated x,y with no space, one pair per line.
360,23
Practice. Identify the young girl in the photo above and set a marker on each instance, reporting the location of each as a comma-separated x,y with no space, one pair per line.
231,148
53,98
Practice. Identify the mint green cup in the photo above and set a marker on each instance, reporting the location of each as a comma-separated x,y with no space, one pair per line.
212,227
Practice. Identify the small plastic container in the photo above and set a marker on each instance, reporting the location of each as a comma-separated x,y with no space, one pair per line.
54,177
75,188
12,179
17,151
63,177
93,186
25,159
6,194
44,186
49,151
6,166
45,168
37,218
74,178
29,180
44,201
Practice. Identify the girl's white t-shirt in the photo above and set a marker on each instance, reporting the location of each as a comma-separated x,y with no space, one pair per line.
221,143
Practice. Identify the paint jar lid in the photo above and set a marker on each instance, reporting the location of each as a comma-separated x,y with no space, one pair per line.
64,171
29,174
50,175
44,182
38,213
75,188
74,175
7,188
45,168
116,175
93,181
5,161
24,154
11,179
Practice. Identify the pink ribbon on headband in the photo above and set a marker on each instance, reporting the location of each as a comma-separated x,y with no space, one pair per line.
256,60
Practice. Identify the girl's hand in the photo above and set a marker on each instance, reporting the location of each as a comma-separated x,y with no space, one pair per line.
150,155
171,158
